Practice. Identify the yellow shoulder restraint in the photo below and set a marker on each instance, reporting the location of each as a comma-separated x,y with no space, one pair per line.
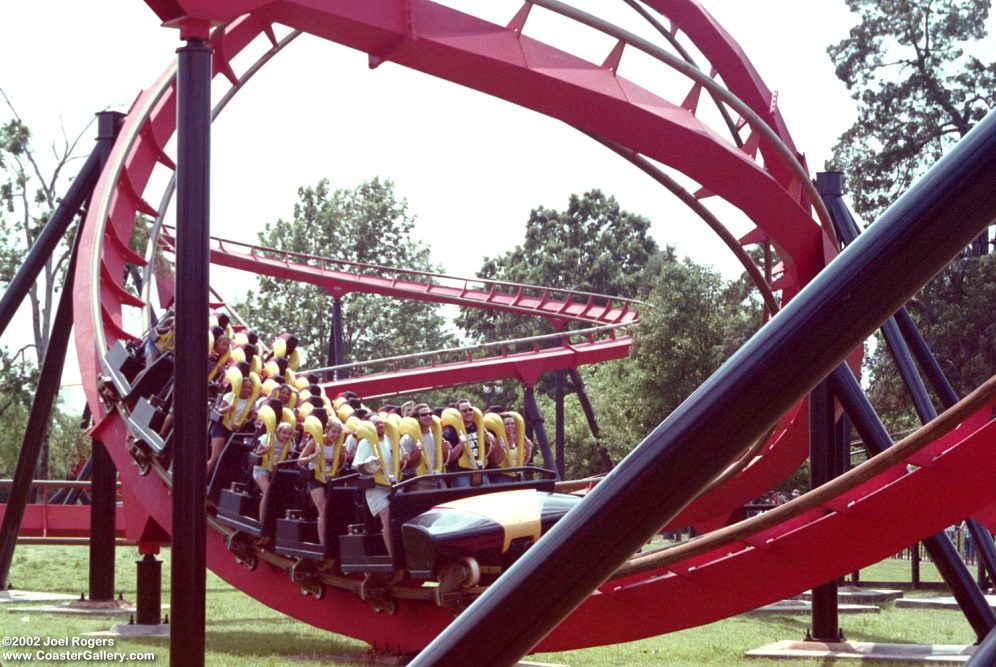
467,461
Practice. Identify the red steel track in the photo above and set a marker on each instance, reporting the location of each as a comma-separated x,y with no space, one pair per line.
873,519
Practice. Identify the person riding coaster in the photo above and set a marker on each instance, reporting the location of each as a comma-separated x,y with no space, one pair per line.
234,410
322,454
463,428
275,445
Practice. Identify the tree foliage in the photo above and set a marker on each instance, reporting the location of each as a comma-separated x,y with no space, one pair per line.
29,193
366,224
908,63
694,321
697,320
592,246
28,196
919,91
954,314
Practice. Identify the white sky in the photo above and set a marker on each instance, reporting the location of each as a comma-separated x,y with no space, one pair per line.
470,166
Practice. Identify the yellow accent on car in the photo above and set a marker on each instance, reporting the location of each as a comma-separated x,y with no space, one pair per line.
517,512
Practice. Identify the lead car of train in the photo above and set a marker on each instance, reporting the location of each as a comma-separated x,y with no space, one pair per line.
460,537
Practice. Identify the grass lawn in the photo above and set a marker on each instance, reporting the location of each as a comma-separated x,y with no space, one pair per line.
243,632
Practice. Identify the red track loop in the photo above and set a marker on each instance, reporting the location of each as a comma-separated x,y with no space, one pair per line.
507,63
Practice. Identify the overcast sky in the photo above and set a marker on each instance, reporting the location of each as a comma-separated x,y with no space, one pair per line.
464,161
471,167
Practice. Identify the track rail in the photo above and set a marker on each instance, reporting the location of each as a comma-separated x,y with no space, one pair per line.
756,175
340,277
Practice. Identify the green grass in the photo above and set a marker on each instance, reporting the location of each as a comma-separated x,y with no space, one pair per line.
725,642
243,632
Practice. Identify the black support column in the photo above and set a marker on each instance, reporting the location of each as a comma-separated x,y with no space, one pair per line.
187,570
103,475
55,356
103,498
589,411
38,420
942,552
559,422
48,240
836,311
823,464
904,342
149,580
337,344
535,419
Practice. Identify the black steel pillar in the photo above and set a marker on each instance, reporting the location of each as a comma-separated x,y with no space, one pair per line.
559,421
103,472
340,345
822,468
148,603
589,411
837,310
925,358
985,652
942,552
536,420
843,441
187,573
49,238
901,335
915,566
103,499
330,355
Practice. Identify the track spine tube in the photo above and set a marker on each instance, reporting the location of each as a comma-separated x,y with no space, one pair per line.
911,242
187,570
985,653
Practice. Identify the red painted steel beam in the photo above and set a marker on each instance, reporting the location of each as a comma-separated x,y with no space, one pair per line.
495,60
338,283
489,58
61,520
526,367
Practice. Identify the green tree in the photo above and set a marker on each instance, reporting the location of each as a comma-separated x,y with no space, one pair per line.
29,194
954,313
697,320
366,224
919,91
908,63
592,246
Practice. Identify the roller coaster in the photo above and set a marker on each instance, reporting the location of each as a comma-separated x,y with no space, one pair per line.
736,147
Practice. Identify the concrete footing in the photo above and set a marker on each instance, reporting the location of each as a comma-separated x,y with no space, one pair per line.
857,595
800,607
22,597
70,610
129,630
908,654
937,603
